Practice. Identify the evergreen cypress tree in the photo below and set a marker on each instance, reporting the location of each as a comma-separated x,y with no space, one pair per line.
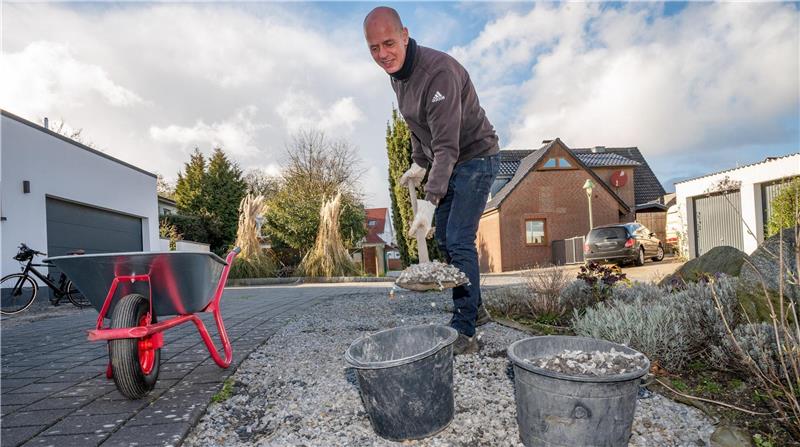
226,189
398,146
190,189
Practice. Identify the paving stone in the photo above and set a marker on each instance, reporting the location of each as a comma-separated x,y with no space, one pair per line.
16,436
156,434
7,409
107,406
34,418
53,403
81,440
8,384
87,424
49,388
23,398
68,377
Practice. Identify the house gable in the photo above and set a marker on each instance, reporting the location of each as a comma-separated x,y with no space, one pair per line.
539,161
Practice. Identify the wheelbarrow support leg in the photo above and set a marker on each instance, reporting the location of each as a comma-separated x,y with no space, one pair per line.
213,307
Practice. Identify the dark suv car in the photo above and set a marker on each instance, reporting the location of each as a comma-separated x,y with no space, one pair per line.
621,243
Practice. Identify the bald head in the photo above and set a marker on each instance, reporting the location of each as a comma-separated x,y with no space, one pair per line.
384,16
386,37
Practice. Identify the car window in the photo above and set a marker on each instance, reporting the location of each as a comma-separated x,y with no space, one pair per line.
600,234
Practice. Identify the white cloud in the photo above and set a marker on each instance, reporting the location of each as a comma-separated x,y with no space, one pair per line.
715,76
300,110
44,74
235,135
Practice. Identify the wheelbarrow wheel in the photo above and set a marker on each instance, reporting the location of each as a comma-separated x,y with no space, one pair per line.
134,361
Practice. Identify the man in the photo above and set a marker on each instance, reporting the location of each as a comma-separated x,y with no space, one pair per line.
451,136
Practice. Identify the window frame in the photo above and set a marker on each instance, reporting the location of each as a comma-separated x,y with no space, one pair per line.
544,231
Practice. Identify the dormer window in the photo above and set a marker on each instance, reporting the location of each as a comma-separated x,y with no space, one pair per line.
557,163
372,223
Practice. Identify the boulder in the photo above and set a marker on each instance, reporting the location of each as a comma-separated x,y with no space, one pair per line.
727,260
765,263
729,436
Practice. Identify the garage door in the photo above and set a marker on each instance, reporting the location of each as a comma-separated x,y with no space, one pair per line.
768,193
717,222
71,226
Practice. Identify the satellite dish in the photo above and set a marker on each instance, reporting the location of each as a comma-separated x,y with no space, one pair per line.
619,179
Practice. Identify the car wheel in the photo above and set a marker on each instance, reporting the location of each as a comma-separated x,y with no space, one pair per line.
659,254
640,257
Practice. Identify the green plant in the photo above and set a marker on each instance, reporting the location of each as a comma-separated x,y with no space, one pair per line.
167,230
709,386
576,296
785,208
225,392
601,278
647,292
761,441
679,385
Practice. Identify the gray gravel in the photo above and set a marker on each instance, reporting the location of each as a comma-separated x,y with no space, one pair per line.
296,389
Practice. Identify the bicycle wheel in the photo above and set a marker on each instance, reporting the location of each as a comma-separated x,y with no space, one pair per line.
17,292
76,297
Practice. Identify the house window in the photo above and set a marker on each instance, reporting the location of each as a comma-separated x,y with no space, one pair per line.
557,163
371,223
535,232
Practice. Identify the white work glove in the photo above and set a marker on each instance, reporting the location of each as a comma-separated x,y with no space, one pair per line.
413,176
423,218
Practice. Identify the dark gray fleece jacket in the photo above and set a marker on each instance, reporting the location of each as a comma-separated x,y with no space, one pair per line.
447,123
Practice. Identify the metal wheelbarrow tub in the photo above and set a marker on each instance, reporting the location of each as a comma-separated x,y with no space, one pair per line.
133,290
180,282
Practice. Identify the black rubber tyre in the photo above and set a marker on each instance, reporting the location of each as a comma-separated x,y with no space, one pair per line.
129,376
76,297
25,294
660,254
640,257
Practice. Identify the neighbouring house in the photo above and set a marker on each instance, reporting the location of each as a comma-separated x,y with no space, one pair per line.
538,199
731,207
59,195
166,206
378,253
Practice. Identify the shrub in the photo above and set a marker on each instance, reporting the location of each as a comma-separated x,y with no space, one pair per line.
544,286
655,329
507,302
757,341
672,329
630,292
576,296
601,278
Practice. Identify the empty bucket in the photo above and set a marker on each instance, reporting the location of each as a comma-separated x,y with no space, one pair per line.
556,409
406,379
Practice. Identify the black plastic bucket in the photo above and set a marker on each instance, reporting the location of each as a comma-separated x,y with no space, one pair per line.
556,409
406,379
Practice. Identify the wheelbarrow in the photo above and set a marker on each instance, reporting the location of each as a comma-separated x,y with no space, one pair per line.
134,291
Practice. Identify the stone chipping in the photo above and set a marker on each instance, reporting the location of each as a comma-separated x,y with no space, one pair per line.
433,275
594,363
297,390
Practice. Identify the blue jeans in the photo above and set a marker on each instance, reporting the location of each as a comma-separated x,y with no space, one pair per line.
457,218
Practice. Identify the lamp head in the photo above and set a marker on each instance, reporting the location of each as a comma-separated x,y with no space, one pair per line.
588,186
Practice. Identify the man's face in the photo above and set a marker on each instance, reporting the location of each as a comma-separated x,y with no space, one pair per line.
387,43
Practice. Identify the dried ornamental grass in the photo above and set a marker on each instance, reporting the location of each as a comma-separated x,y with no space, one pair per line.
252,262
328,257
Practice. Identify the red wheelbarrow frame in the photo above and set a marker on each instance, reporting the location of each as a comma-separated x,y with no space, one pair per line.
151,333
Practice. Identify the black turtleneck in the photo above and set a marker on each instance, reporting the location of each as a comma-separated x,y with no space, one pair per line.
408,65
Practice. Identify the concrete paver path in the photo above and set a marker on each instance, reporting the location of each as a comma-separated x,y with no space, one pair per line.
53,389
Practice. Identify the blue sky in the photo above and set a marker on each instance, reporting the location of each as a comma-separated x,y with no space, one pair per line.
698,87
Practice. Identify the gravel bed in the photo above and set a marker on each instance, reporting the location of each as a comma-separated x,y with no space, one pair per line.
296,389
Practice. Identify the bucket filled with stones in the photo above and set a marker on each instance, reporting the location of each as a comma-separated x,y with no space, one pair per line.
575,391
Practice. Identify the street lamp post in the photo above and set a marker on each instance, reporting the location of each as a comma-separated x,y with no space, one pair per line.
588,186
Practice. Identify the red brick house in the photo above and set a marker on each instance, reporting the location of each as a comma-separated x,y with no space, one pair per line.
378,253
538,198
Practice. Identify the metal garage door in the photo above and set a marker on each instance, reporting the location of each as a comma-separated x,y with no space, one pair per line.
71,226
717,222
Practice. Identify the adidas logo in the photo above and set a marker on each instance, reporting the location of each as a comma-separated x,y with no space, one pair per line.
437,97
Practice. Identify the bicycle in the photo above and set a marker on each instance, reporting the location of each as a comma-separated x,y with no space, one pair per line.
19,289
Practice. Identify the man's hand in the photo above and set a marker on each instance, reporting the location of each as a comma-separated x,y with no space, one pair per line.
413,176
422,219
